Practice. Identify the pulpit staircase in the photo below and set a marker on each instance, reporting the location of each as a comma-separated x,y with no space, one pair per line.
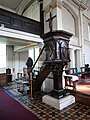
38,79
38,76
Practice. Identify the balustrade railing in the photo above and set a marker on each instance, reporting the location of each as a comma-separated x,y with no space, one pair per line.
18,22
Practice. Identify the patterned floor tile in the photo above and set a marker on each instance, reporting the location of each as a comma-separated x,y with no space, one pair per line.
43,111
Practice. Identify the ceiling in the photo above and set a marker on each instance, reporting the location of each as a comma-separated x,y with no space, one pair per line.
17,42
12,41
12,4
87,2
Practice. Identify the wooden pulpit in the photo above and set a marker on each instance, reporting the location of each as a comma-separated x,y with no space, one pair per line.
57,54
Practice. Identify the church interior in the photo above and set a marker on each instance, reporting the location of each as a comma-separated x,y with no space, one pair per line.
45,65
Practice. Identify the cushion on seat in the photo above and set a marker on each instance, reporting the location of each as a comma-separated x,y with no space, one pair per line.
78,70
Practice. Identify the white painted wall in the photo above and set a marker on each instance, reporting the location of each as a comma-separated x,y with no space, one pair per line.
23,56
6,32
85,38
9,57
86,21
33,11
8,9
87,55
68,21
20,62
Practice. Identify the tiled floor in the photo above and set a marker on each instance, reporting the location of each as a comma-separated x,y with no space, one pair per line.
76,111
43,111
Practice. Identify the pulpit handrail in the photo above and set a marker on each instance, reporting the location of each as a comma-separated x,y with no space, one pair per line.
38,58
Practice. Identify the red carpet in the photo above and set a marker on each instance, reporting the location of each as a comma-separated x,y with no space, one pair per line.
84,87
10,109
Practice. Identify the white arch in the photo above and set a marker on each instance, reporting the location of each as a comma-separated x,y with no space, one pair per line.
73,13
22,6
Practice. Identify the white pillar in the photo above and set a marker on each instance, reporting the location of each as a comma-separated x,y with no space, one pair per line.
81,38
72,58
16,64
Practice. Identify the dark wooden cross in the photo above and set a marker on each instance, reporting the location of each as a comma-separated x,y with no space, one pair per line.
50,21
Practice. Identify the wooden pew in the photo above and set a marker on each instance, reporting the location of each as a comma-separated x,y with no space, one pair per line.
82,72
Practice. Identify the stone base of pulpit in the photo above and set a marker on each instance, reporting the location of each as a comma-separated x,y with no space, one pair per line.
59,103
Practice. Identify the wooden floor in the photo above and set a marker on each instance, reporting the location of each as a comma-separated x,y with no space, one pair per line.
80,97
82,92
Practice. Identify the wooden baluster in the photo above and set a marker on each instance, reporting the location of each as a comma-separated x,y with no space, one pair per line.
31,85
